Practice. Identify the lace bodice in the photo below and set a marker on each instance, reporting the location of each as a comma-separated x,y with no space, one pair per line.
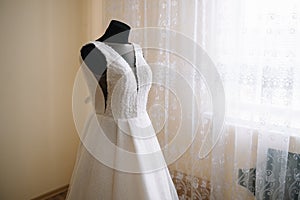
126,96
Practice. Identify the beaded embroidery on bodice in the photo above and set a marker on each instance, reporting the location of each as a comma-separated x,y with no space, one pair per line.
126,96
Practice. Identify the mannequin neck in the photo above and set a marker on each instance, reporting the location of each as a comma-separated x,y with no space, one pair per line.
117,32
118,38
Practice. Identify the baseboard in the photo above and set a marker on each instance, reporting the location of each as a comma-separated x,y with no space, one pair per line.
52,193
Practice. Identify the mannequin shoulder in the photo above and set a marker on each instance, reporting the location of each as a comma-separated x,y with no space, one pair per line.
86,49
91,51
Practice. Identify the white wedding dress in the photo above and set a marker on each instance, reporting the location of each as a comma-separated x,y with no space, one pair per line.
119,156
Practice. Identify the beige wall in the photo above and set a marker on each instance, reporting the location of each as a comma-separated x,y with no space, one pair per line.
40,42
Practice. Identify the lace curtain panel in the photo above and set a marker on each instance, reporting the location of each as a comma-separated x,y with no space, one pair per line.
255,46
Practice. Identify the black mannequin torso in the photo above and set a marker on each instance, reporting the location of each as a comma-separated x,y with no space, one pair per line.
115,36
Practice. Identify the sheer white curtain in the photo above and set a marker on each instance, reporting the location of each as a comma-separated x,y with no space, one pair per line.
255,45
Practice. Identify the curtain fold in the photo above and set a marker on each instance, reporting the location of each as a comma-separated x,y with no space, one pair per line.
255,48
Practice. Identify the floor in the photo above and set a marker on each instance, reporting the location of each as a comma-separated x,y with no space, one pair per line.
60,196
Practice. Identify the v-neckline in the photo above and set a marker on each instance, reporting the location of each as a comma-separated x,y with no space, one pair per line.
127,64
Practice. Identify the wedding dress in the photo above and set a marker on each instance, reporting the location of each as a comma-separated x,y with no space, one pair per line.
119,156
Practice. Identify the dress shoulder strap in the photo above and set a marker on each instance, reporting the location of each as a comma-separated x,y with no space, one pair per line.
109,55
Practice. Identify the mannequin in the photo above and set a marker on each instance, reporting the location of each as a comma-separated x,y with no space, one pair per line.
115,36
116,169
